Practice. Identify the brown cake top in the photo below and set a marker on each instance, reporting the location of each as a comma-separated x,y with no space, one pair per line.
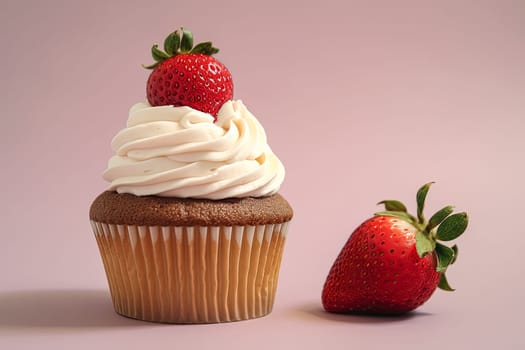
127,209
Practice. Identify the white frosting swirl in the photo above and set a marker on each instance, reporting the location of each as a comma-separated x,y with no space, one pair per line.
180,152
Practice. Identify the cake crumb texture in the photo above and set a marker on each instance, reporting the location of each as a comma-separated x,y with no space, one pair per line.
127,209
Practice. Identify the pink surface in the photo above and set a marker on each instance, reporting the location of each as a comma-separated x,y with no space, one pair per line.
362,101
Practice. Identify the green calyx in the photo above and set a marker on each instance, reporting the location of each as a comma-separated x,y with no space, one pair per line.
177,43
442,226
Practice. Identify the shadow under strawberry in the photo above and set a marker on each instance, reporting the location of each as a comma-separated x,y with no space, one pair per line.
314,311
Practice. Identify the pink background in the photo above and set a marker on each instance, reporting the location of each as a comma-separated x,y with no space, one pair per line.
362,101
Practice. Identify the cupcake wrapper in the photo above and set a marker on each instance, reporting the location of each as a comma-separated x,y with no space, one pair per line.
191,274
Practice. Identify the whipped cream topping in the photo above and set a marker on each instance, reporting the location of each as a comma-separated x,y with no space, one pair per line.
181,152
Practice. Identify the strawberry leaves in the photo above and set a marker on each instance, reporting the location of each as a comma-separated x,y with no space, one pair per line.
393,205
205,48
445,255
439,216
157,54
172,43
396,209
177,43
396,214
186,42
452,227
424,244
442,226
420,199
443,283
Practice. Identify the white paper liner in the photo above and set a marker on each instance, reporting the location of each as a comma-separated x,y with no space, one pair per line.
191,274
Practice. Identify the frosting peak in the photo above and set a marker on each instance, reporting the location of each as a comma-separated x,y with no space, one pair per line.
180,152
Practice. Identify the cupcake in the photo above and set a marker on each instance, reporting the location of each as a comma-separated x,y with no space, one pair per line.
192,227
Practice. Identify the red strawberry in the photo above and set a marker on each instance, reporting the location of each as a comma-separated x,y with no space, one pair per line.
184,75
393,262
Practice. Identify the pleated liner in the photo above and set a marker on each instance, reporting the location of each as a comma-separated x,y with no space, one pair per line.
191,274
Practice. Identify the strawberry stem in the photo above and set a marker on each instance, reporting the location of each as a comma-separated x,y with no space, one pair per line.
178,43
